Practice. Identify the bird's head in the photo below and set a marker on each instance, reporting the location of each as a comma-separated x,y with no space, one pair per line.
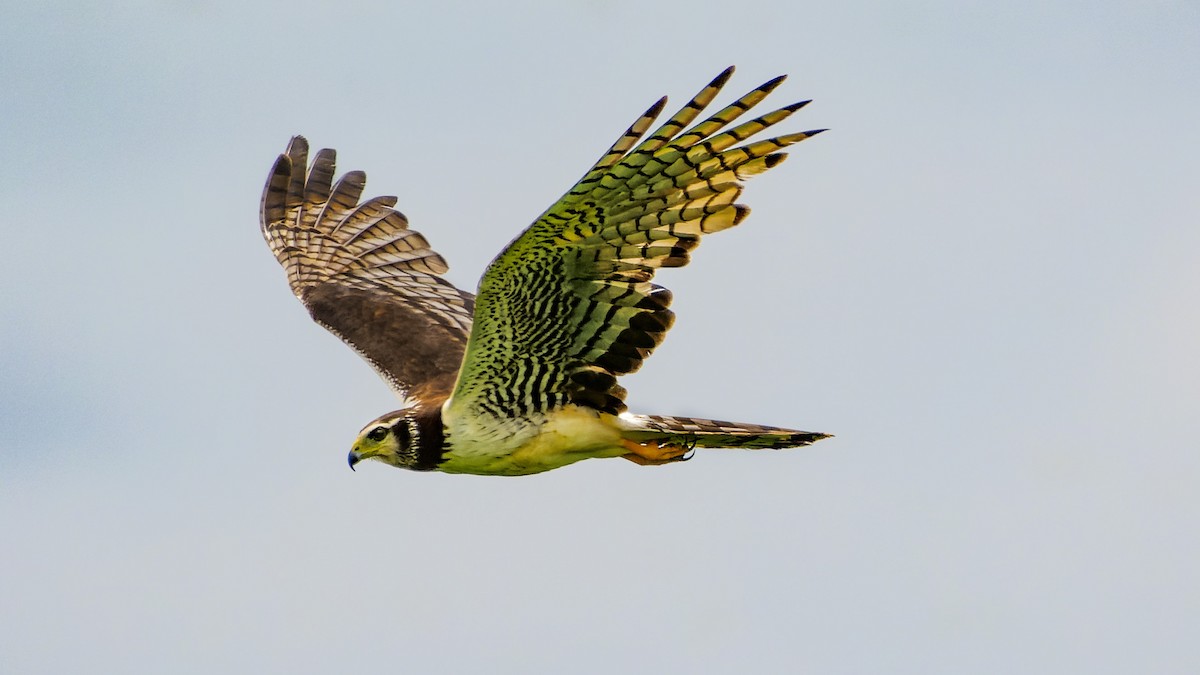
391,439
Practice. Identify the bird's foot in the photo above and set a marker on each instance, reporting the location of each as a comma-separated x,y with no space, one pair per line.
655,453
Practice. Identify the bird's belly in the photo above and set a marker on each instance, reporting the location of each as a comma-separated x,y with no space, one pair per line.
563,437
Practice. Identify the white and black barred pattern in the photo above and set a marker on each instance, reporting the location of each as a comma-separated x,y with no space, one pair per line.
704,433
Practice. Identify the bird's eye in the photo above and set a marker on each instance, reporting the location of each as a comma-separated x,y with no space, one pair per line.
378,434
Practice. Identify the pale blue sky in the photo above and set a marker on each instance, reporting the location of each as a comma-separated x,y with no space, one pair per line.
984,280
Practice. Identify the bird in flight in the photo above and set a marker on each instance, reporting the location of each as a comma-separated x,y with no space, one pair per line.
521,377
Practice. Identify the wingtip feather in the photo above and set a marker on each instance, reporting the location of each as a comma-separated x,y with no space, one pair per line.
655,110
770,84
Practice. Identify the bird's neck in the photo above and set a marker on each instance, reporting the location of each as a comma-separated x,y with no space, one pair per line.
431,445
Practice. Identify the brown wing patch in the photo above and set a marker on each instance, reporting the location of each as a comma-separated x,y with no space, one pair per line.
423,363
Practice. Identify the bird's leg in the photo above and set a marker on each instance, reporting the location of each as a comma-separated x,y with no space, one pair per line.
655,453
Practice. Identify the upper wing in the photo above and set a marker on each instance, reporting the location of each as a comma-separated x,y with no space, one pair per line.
568,306
364,275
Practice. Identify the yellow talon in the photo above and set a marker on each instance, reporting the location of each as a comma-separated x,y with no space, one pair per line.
653,453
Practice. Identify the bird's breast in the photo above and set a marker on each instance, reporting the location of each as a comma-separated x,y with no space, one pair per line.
554,439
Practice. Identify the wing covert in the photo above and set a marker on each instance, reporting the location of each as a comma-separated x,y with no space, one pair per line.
364,275
569,305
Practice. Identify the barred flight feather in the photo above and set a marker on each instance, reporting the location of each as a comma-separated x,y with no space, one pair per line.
585,266
363,274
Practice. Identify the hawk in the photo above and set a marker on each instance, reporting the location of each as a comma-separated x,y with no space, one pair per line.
521,377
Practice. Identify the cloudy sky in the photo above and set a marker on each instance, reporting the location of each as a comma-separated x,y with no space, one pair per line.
984,279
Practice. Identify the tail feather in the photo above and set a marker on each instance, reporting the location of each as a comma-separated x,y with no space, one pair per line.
703,433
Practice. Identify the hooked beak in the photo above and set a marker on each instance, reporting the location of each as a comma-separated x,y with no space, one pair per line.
353,458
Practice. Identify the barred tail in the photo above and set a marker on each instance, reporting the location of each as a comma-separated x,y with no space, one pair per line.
701,433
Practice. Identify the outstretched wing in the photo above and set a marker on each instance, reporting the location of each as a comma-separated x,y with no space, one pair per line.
568,306
364,275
